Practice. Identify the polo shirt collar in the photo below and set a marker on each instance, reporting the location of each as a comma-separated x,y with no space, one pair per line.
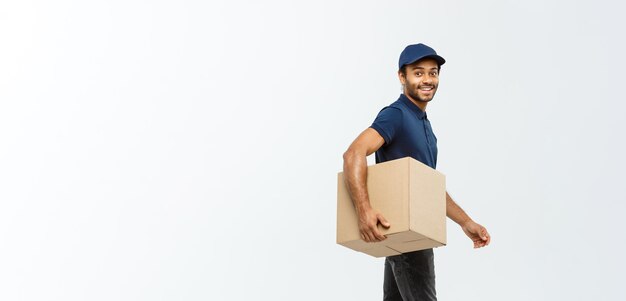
413,107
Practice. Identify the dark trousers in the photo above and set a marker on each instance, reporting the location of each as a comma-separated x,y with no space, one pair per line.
410,277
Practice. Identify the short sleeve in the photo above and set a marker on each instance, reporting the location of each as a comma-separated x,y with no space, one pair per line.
388,123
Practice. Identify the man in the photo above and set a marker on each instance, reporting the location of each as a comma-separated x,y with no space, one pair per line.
402,129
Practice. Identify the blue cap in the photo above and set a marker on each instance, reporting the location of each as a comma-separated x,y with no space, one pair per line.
416,52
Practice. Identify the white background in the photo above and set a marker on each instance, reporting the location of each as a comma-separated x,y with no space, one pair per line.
188,150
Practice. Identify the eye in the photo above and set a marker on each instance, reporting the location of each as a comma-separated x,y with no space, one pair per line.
418,73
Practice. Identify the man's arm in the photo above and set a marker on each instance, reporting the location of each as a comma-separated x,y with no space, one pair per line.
355,174
477,233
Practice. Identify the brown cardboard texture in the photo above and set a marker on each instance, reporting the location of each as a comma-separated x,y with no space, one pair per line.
410,195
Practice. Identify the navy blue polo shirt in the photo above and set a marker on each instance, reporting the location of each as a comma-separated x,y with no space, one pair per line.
407,133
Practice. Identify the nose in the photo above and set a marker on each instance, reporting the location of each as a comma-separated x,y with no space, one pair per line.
427,79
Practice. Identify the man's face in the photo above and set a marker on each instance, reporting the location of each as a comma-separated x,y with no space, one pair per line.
421,80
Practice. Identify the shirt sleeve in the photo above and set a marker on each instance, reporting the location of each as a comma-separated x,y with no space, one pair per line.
388,123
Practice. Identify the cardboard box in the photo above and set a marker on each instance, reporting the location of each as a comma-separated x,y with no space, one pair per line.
410,195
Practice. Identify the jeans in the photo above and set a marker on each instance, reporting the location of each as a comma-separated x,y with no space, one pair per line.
410,277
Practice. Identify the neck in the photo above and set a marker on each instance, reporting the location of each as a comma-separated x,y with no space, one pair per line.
420,104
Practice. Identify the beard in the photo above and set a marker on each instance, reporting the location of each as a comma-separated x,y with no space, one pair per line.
414,94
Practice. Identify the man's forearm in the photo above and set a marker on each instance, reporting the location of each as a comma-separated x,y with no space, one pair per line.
454,211
355,175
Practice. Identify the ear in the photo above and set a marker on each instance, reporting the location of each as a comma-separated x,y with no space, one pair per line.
401,77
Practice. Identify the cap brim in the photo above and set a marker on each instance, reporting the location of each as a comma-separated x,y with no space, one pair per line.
436,57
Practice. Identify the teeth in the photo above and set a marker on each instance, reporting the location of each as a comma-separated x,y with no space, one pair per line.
426,88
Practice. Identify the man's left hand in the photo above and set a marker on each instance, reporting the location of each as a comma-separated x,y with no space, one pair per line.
477,233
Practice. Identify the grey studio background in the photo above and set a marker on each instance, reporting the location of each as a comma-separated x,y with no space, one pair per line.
188,150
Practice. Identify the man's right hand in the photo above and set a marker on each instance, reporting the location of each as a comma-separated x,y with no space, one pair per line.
368,225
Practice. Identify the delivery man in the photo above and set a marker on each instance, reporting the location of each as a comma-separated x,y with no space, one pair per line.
402,129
